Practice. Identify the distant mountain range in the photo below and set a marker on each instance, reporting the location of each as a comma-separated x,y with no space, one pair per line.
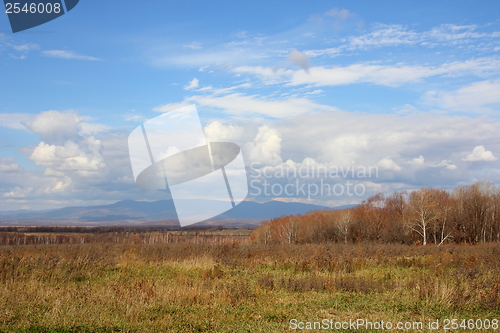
158,213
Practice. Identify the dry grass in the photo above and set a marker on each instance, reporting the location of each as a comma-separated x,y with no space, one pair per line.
239,287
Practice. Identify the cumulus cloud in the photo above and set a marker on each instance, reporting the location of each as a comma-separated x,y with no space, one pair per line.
8,165
265,148
300,59
447,164
218,132
396,144
68,149
77,168
56,127
479,153
60,186
194,83
389,164
18,192
81,157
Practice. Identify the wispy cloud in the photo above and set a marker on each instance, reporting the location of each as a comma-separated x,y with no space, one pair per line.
62,54
193,46
384,35
479,97
15,120
25,47
339,16
387,75
242,105
194,83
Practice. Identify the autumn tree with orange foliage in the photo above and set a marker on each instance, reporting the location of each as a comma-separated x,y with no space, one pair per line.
469,214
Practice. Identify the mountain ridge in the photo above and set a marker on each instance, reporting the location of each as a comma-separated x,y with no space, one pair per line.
142,212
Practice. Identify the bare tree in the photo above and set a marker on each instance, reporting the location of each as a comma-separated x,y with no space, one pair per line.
424,213
344,223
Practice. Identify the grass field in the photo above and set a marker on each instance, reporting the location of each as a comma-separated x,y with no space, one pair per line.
242,287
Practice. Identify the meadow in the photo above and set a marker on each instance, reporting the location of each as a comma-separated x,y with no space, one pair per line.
243,286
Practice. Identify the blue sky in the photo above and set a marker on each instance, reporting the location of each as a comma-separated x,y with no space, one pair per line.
411,88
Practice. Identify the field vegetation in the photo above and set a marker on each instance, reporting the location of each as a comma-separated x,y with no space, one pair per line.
241,287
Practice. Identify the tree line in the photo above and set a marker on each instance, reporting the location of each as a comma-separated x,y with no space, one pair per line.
468,214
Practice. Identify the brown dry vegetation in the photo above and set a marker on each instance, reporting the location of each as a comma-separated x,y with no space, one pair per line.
240,287
118,235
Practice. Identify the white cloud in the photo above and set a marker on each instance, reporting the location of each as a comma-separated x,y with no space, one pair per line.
331,52
341,14
52,126
68,148
479,97
55,126
59,186
447,164
91,128
389,164
21,57
62,54
26,47
418,160
194,83
479,153
8,165
218,132
270,75
15,120
357,73
387,75
18,192
192,46
53,173
171,106
82,157
396,144
384,35
455,33
246,106
315,92
271,50
265,148
133,117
